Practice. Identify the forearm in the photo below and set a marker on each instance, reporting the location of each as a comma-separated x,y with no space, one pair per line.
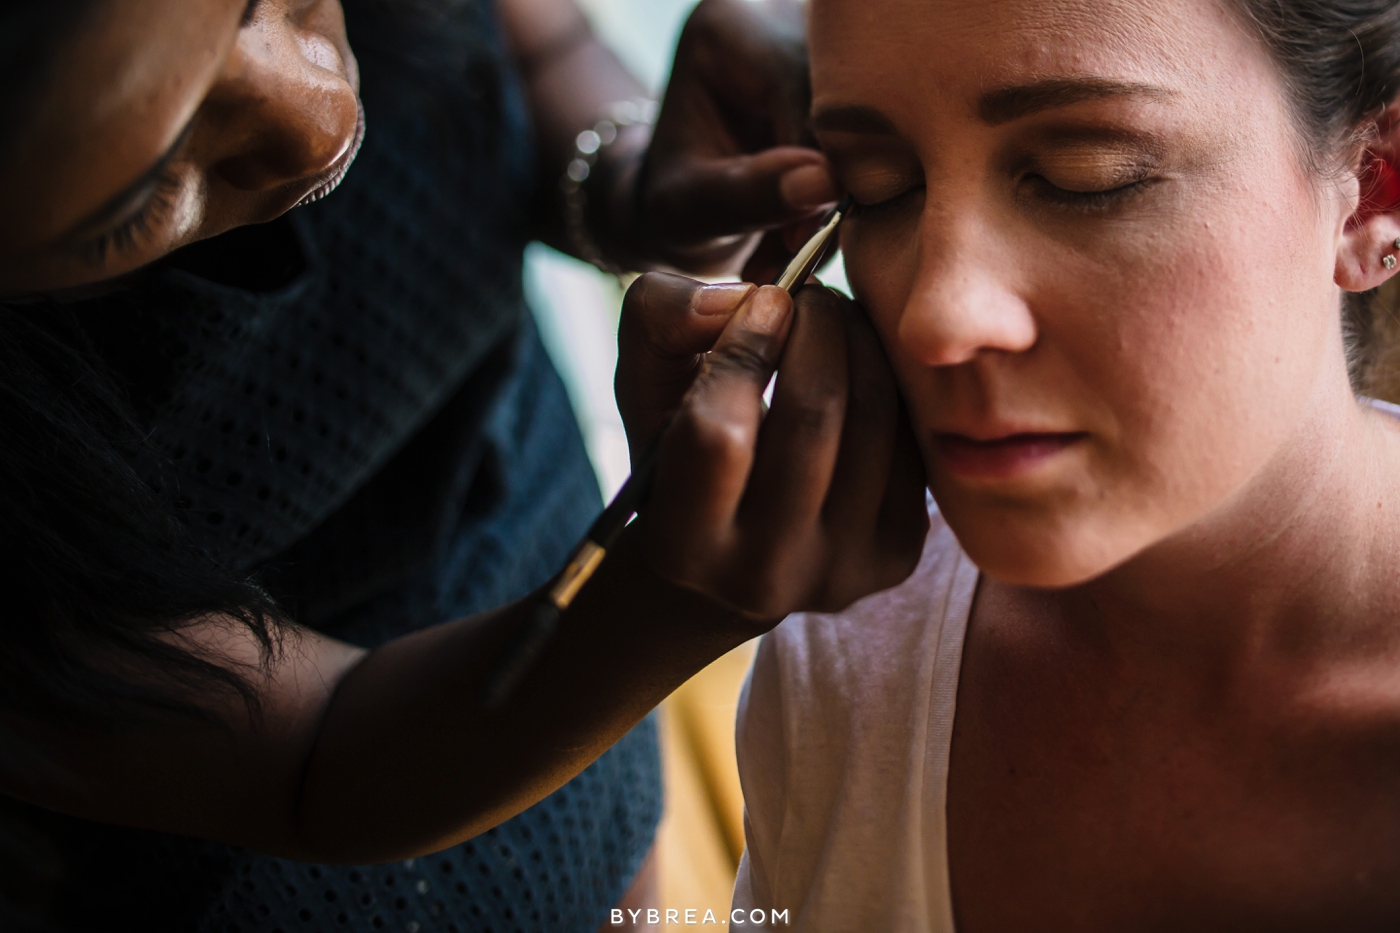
570,79
408,761
358,757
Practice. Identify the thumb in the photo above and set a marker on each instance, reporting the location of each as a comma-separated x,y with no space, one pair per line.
702,197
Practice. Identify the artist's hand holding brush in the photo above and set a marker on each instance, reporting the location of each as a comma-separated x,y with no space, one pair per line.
810,506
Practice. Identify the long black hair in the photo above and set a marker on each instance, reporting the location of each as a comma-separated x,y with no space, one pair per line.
101,570
98,566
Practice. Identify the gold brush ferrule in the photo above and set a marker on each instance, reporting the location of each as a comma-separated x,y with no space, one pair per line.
585,561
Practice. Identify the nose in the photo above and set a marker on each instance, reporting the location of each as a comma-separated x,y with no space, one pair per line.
964,299
284,108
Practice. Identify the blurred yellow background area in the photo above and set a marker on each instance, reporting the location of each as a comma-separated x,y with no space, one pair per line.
702,831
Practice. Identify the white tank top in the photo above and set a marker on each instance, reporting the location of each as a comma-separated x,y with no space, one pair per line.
844,730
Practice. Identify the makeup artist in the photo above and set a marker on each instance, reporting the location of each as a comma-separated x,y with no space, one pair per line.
262,441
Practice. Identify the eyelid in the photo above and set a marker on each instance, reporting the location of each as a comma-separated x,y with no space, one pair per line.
1096,173
874,171
1086,202
876,186
130,202
123,235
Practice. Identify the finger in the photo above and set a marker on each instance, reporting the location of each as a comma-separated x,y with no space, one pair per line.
694,199
859,566
749,61
708,450
801,436
903,523
852,509
668,323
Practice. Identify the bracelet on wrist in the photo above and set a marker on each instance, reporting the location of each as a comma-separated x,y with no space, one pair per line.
589,146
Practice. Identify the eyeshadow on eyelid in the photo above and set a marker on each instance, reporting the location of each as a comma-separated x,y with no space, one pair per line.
1119,160
872,188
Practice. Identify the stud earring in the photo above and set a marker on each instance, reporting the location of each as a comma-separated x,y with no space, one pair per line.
1388,262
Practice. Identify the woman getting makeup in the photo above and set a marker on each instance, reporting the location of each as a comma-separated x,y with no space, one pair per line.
1124,258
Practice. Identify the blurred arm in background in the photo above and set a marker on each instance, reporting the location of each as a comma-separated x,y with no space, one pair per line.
729,159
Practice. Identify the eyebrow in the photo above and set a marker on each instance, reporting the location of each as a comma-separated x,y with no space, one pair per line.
995,107
1003,105
121,202
852,118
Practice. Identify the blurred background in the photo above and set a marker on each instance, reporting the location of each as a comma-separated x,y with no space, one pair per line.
576,306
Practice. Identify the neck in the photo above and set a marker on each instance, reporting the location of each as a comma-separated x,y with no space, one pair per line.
1256,580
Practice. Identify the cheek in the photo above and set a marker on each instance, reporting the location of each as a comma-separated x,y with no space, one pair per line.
1208,341
1192,354
881,264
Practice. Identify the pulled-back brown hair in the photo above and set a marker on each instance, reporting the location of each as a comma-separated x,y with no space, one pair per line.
1340,61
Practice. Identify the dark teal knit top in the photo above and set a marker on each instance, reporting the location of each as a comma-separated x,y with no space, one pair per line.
353,402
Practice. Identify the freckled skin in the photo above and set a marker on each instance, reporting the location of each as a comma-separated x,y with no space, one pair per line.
973,268
1180,700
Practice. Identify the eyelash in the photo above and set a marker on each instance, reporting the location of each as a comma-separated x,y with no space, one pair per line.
888,205
138,226
1088,202
1085,202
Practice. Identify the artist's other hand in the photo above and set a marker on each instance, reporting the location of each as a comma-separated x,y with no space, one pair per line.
809,507
730,157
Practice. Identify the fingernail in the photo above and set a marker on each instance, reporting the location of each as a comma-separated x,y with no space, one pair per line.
806,187
720,299
768,311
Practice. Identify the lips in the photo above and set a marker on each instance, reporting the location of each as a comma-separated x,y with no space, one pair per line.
1006,457
336,173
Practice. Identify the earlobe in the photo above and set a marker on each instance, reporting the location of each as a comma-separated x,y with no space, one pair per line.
1369,251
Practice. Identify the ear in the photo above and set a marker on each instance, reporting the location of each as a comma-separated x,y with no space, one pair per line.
1372,233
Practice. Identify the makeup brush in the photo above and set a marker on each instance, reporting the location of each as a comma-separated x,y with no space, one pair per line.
589,554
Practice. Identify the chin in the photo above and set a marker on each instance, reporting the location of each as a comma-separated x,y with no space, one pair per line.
1044,552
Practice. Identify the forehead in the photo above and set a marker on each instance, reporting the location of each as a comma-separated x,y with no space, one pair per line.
901,50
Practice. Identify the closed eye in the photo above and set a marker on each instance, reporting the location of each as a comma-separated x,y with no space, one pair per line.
875,208
131,232
1093,201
